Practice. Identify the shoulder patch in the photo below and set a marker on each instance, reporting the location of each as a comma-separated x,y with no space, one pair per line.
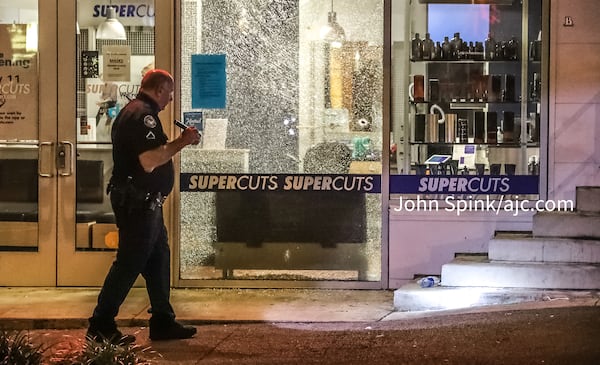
149,121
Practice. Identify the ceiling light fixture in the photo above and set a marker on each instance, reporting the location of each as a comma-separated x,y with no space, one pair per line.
31,37
333,32
111,28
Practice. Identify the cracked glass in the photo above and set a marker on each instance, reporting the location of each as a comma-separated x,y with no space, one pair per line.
301,104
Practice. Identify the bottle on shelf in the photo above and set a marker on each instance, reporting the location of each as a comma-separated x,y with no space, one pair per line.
535,48
457,46
428,48
419,128
508,127
513,49
438,51
489,48
500,49
419,88
499,135
509,92
535,87
479,51
495,88
471,51
535,117
417,48
434,90
446,49
466,51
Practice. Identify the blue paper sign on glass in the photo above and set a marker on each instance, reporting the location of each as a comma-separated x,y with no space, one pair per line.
209,81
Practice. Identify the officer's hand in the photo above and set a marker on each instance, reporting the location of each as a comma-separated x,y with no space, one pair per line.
191,135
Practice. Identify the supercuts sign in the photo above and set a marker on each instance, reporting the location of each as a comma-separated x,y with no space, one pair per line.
399,184
128,12
464,184
280,182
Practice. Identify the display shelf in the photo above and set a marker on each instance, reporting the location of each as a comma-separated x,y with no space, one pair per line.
479,98
508,145
516,62
470,104
459,104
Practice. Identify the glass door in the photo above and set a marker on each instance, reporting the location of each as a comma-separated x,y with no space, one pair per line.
61,86
106,48
28,173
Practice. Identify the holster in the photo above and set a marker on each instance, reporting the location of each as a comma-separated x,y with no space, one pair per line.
126,194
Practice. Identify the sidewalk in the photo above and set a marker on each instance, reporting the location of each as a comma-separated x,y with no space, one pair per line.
62,308
29,308
318,326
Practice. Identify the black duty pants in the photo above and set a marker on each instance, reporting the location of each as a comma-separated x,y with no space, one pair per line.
143,249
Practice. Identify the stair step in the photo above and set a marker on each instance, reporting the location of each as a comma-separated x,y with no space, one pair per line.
566,224
479,271
523,247
588,199
411,297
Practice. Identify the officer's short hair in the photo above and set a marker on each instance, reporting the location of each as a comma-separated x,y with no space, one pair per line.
155,78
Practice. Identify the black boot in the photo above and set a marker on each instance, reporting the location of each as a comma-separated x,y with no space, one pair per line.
106,331
166,328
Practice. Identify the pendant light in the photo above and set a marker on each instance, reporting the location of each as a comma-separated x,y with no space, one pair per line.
333,31
111,28
31,37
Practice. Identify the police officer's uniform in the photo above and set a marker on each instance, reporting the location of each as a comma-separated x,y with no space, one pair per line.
136,197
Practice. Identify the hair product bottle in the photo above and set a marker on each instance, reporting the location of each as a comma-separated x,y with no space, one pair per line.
489,48
428,48
417,48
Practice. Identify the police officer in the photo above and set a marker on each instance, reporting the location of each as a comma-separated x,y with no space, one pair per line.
141,180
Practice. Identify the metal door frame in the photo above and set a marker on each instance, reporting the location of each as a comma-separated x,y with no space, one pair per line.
78,267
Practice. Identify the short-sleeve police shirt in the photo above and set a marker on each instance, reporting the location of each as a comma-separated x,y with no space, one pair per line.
138,129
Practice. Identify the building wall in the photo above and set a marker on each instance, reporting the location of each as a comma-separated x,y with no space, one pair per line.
421,243
574,117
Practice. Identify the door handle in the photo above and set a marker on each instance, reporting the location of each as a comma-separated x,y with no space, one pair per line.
41,164
64,158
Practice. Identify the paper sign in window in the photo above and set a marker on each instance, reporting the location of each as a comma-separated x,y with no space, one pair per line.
208,81
117,63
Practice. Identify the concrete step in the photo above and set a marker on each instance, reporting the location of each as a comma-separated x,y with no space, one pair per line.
587,199
524,247
411,297
566,224
465,271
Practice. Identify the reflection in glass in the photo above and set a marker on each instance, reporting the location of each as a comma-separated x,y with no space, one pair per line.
100,96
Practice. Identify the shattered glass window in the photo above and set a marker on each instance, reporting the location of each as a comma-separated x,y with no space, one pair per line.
300,100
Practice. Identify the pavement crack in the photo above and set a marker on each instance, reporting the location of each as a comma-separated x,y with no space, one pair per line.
212,350
384,316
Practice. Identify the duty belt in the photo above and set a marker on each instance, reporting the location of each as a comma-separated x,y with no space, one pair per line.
131,195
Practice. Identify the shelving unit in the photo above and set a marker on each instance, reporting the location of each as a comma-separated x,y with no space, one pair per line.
472,98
